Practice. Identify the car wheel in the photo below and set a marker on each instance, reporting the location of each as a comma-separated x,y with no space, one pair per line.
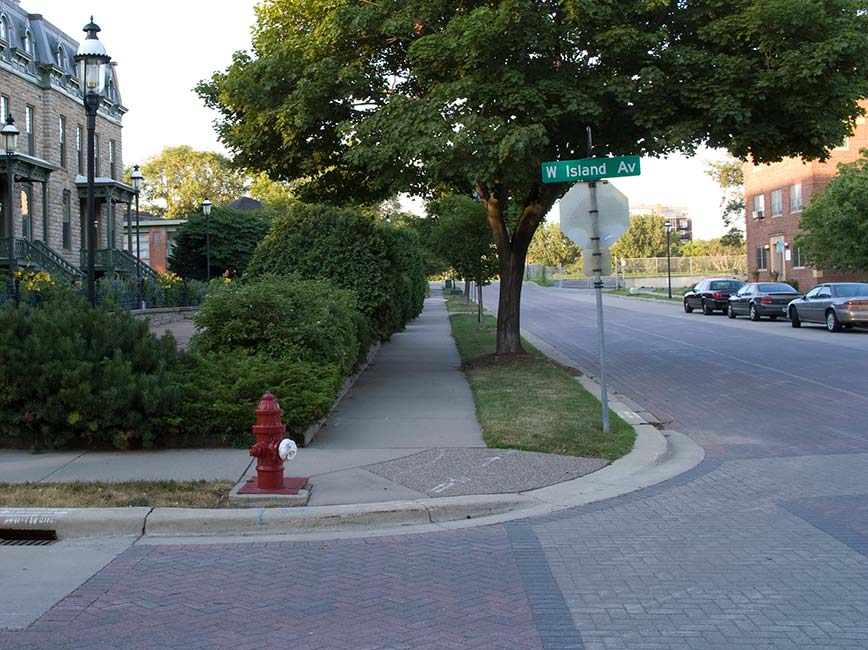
687,308
794,317
754,314
706,309
832,323
730,312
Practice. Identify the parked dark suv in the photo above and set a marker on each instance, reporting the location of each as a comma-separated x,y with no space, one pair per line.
711,294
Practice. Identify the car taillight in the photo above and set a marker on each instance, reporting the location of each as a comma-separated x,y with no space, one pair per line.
856,304
766,301
717,294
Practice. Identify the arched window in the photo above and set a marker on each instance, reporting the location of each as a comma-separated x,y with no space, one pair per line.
4,28
27,42
62,59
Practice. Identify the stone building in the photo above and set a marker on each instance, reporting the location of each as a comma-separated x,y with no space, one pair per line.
40,88
774,196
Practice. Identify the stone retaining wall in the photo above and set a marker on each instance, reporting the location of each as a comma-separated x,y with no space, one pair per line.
165,315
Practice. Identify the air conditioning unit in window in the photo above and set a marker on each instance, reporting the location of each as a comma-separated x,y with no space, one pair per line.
757,214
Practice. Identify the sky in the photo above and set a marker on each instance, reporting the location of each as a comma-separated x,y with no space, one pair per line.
163,49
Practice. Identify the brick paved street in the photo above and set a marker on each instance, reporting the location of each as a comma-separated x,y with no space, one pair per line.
764,546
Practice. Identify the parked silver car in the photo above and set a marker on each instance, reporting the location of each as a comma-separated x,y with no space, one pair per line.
837,304
758,299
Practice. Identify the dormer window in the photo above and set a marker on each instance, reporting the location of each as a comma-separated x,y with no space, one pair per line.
4,28
62,58
27,42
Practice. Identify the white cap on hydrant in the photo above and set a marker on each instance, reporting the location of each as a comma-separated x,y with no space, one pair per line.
287,449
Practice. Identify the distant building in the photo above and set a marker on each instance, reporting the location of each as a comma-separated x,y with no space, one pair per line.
40,88
155,240
677,216
775,195
245,203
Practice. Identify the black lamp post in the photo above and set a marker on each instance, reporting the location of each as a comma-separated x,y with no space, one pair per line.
137,177
206,210
668,259
10,142
91,59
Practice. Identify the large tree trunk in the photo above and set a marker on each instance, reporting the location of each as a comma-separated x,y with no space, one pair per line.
512,252
466,291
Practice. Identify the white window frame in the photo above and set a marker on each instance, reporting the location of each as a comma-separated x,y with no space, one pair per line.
796,190
777,207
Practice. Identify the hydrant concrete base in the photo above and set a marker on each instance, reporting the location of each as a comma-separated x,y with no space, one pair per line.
295,493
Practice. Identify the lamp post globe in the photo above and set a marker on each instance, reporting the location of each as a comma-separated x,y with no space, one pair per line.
206,210
10,142
91,59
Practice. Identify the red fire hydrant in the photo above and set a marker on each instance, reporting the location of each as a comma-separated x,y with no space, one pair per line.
270,448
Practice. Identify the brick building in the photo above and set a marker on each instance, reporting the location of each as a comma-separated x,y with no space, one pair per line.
774,198
39,87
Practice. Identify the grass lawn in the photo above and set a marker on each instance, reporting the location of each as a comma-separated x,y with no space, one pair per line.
165,494
676,295
531,403
543,282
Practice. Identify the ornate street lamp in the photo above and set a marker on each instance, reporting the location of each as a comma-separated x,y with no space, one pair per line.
10,142
91,59
137,177
206,210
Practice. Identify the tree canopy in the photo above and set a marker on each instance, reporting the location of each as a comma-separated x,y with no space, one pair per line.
835,224
552,247
365,99
178,179
729,175
646,237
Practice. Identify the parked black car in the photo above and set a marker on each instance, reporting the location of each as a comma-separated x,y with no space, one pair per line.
711,295
837,304
758,299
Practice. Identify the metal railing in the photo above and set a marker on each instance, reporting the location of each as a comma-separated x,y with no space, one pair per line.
38,253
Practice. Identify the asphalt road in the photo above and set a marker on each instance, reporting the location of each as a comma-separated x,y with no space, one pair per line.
739,388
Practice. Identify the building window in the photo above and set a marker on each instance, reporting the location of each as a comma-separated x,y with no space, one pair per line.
28,128
777,203
26,199
762,261
27,41
62,59
759,202
4,28
156,238
62,125
796,198
799,260
844,146
96,155
79,152
67,210
112,159
4,107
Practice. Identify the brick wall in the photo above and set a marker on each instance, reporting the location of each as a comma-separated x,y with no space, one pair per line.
812,176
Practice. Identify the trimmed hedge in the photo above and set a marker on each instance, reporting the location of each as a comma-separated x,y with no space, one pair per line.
284,318
221,391
379,262
71,375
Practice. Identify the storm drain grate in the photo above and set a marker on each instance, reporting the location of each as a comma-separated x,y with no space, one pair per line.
25,537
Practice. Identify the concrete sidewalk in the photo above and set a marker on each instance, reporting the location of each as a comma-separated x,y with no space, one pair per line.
404,439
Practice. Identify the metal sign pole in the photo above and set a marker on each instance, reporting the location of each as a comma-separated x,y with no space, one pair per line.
598,290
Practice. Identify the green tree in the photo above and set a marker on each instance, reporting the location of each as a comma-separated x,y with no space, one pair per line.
729,175
233,236
834,224
462,238
730,244
274,195
646,237
365,99
551,247
178,179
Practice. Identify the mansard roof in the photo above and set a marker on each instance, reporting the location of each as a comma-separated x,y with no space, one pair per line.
48,57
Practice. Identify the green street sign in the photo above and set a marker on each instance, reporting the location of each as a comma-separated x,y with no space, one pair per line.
589,169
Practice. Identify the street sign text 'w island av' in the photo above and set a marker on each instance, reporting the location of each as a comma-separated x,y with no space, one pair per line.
589,169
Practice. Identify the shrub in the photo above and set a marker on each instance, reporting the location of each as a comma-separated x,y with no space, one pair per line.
350,250
80,376
284,318
221,392
232,238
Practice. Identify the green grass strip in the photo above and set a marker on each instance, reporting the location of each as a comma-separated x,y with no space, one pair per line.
530,403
